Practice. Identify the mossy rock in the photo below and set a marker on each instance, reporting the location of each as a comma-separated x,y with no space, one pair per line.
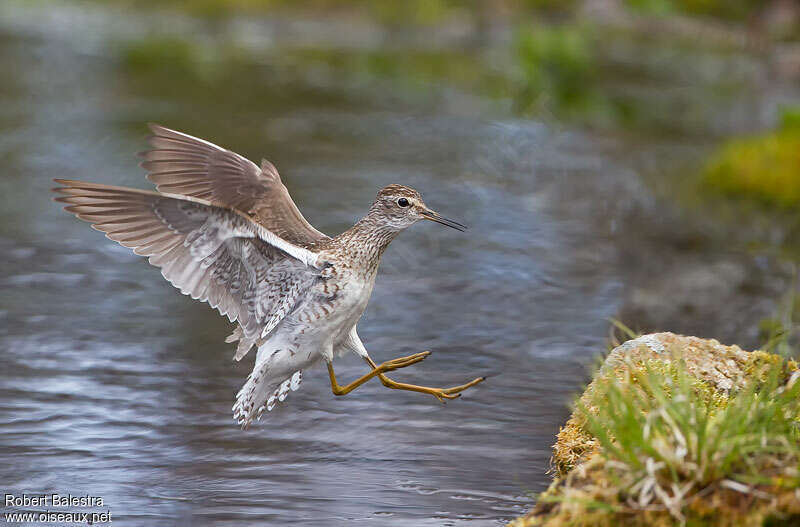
721,368
589,490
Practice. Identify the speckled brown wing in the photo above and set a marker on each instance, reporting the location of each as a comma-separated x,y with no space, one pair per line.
181,164
214,254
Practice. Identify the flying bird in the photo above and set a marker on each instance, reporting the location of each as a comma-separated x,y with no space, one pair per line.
226,231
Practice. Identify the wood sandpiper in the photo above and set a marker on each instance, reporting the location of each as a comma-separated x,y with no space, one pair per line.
226,232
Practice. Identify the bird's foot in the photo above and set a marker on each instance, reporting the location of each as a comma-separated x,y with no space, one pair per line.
442,394
402,362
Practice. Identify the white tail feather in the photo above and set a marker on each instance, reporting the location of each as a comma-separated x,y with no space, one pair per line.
261,393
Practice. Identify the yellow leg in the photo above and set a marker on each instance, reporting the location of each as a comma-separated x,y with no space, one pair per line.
440,393
391,365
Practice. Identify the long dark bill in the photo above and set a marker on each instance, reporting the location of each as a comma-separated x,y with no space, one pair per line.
435,216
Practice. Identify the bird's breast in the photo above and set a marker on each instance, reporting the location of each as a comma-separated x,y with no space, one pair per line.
348,293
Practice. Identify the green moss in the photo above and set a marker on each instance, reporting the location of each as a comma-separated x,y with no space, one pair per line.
765,168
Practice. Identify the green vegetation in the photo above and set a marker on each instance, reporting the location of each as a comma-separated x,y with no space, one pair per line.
393,11
765,168
558,64
434,11
558,70
168,54
660,445
410,72
727,9
415,70
549,71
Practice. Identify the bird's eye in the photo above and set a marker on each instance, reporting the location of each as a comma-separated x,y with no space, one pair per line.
403,202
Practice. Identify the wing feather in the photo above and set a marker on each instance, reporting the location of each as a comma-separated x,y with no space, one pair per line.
182,164
212,253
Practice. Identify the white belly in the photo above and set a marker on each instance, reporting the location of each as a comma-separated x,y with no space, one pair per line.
349,305
317,328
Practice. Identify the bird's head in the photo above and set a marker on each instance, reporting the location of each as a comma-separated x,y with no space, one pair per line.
401,207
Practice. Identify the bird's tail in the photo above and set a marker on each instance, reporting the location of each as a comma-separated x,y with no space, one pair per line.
262,392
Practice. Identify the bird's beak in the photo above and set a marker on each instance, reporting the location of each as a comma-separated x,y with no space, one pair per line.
435,216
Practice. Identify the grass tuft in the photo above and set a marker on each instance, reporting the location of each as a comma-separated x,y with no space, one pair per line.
653,443
668,438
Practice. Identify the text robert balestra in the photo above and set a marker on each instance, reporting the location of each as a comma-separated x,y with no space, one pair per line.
52,500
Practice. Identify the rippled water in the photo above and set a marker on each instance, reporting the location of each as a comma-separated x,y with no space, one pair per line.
115,385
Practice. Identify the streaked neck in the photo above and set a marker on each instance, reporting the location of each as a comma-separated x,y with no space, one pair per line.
367,239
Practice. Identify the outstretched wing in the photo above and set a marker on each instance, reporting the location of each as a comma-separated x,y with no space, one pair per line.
212,253
181,164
